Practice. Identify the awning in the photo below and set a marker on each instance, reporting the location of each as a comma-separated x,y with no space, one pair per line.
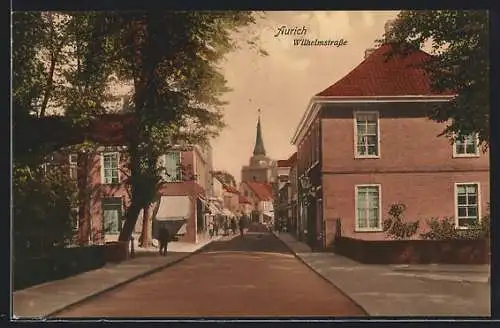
172,213
214,209
227,212
173,208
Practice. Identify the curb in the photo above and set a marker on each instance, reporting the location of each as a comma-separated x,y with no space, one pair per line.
320,275
142,275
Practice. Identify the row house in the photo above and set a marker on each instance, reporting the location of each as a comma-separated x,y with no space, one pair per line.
180,203
245,206
365,143
101,175
260,194
284,202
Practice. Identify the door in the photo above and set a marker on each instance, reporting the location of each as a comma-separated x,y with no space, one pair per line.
111,217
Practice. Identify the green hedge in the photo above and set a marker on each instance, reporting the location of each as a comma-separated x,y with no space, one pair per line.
59,263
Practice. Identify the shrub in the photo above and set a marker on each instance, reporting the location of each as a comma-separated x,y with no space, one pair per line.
445,229
42,216
395,227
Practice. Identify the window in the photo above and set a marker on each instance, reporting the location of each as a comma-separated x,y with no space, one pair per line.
111,215
467,204
366,135
75,218
109,164
73,166
172,162
466,146
368,208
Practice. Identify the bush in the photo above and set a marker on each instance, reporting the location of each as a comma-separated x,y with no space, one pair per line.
42,216
395,227
444,229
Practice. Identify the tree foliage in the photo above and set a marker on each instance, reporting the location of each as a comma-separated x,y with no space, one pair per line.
43,204
226,177
460,42
169,58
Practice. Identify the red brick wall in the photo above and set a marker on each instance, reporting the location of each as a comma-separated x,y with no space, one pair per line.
425,195
407,143
415,251
415,167
98,191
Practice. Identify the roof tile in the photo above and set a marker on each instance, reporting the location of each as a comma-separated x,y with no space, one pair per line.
378,75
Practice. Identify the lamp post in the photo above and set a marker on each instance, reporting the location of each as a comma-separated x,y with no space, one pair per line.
306,193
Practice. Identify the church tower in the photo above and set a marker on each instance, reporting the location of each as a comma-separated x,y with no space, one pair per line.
261,168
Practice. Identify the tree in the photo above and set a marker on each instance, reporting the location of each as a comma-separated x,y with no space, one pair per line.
171,58
460,42
225,177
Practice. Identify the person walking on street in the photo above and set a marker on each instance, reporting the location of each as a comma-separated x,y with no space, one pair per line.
241,224
164,238
233,225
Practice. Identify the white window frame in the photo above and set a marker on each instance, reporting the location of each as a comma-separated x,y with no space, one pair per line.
73,165
165,175
455,195
356,221
102,166
476,154
76,211
355,120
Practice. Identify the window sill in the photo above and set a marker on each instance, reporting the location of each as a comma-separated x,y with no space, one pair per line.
367,157
466,155
111,184
465,228
368,230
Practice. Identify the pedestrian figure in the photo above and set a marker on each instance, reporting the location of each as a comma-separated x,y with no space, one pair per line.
164,238
242,226
226,227
211,228
216,228
233,225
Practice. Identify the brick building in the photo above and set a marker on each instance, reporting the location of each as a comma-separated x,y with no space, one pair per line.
260,195
185,186
365,143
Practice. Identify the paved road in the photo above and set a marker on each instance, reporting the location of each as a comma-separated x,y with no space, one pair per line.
251,276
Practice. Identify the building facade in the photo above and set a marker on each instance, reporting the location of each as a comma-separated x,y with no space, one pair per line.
260,195
366,143
104,173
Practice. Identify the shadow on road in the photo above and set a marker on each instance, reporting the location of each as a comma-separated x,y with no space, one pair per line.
256,239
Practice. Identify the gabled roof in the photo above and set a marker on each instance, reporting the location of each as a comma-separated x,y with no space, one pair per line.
262,190
378,75
287,162
229,188
244,200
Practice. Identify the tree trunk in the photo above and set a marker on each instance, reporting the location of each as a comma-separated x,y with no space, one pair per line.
146,227
50,83
84,199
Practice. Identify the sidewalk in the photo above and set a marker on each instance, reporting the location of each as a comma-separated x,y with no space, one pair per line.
48,298
403,290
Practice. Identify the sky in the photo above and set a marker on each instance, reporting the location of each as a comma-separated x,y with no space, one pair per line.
282,83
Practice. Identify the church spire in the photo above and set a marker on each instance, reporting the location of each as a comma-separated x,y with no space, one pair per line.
259,142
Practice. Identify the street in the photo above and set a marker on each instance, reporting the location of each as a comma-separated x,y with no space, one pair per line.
242,277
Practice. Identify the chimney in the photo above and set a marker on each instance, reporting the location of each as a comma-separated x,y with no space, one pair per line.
368,52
